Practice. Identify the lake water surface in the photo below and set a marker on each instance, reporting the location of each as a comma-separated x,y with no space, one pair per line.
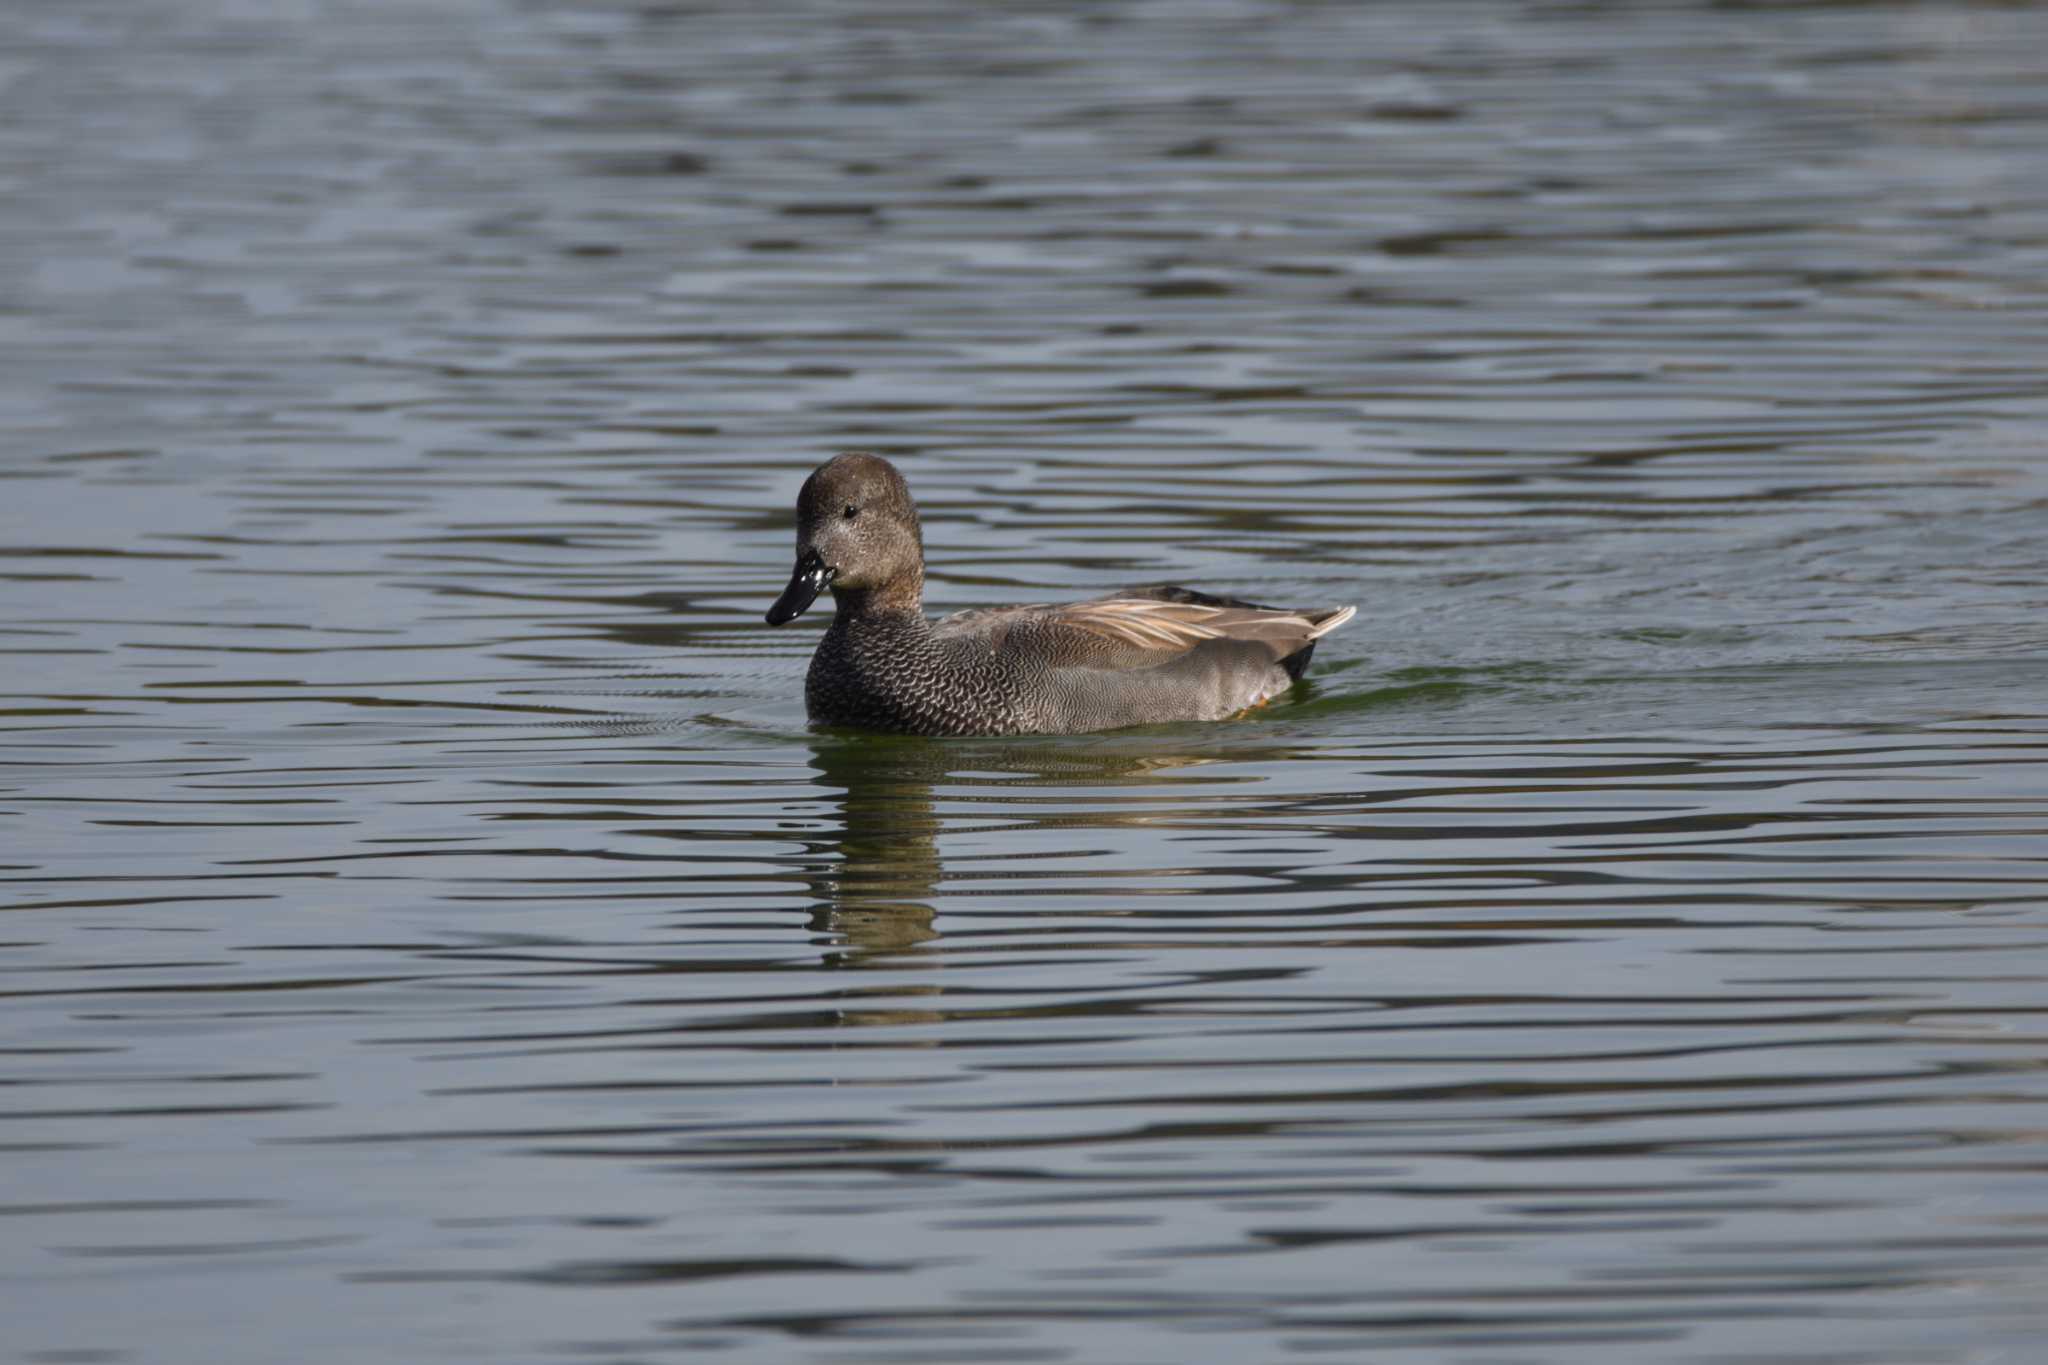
432,932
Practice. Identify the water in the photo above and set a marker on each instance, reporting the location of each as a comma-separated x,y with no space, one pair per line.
433,933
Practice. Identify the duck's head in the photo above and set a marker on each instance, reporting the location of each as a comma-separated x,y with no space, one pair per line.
856,532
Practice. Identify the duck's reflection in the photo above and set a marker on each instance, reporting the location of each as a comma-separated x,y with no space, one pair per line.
875,895
878,876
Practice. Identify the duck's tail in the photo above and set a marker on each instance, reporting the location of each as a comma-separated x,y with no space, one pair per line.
1330,620
1320,625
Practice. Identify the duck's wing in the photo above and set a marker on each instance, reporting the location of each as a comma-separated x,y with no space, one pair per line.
1163,627
1144,628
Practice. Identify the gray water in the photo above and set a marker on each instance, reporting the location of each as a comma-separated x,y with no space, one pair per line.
433,934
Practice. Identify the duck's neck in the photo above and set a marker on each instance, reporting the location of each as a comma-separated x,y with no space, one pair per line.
895,599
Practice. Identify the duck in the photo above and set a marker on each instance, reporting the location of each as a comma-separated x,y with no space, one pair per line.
1143,656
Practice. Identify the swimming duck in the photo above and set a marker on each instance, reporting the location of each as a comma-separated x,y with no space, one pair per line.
1139,657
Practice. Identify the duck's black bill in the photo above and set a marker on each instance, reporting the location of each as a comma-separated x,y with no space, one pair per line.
812,577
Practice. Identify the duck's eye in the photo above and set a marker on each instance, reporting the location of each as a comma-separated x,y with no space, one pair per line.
851,511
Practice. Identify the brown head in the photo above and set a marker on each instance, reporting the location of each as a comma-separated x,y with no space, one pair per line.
857,534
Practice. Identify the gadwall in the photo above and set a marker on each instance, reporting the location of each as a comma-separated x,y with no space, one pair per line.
1137,658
